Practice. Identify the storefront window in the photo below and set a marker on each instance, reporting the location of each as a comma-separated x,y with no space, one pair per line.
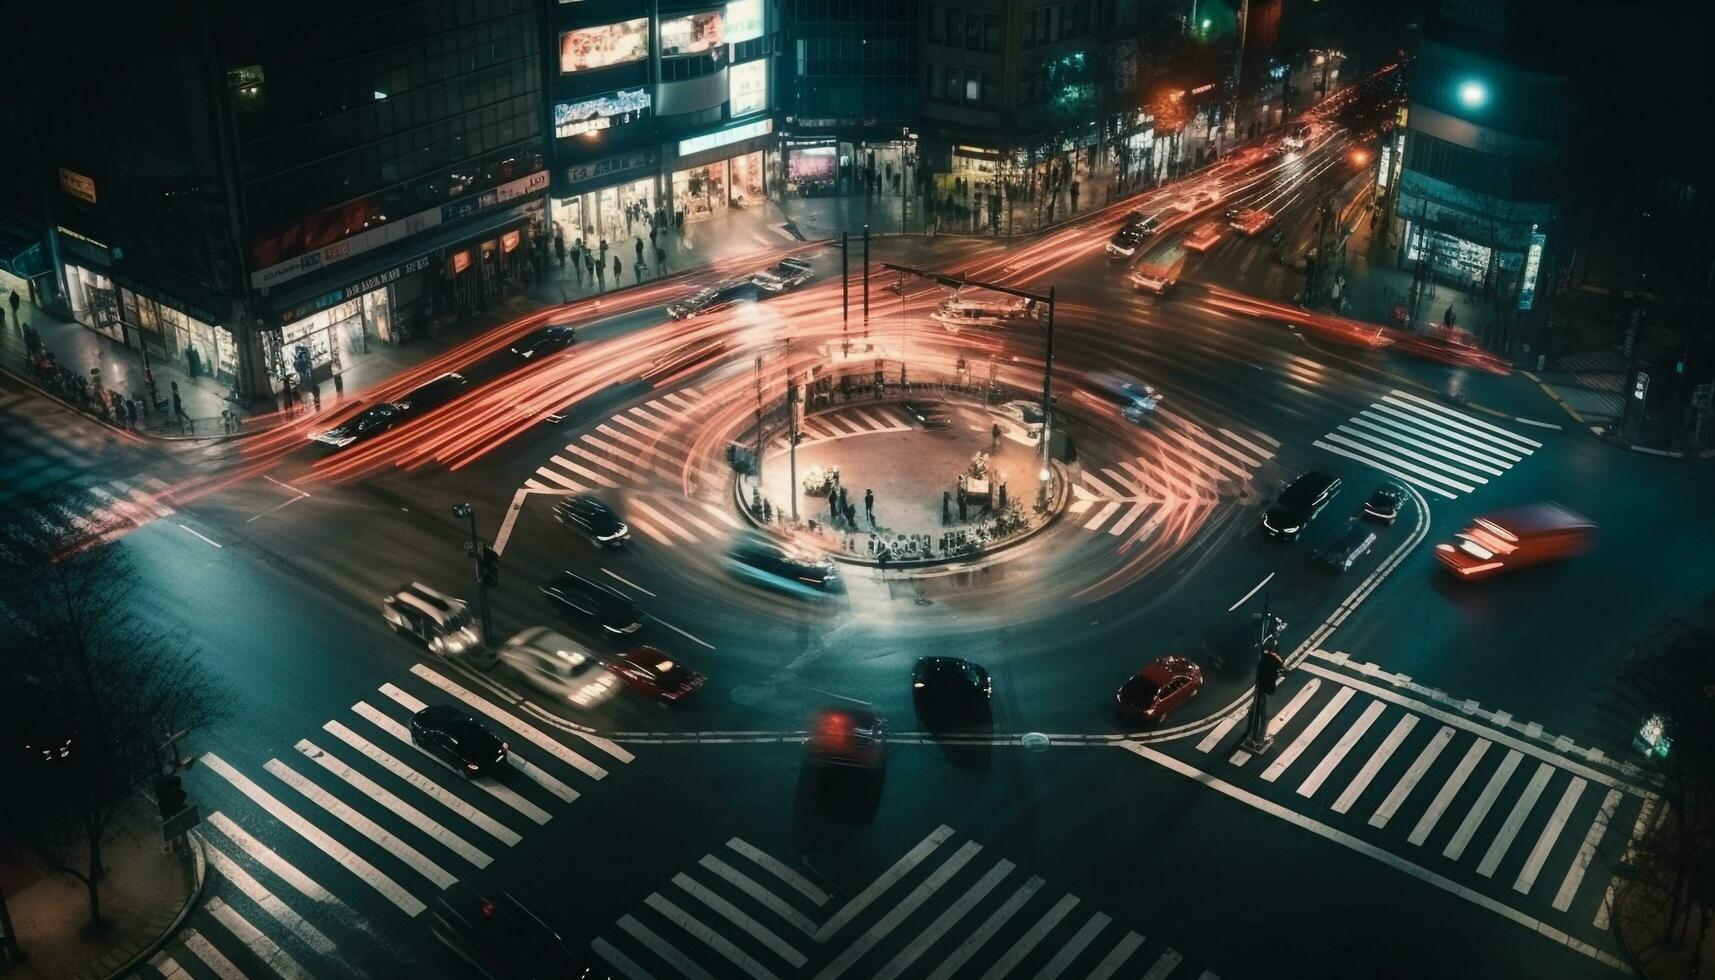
701,192
226,353
94,301
746,185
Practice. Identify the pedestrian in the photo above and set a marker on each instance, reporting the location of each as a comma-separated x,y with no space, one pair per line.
602,257
32,339
14,302
995,434
3,318
339,384
842,492
767,512
833,505
652,235
600,271
660,259
560,251
578,266
1074,195
639,249
637,268
1450,318
851,516
149,383
193,361
316,396
616,271
946,507
869,505
179,407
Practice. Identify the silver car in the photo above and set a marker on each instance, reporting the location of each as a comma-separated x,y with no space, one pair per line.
560,667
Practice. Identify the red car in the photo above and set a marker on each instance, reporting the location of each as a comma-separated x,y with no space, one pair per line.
847,737
1155,691
655,673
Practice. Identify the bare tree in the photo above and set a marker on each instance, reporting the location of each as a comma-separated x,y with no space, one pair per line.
81,658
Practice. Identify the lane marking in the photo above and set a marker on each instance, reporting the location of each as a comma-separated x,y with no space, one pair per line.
261,854
267,901
212,958
976,940
1543,425
1408,781
1032,936
1375,852
1279,721
663,948
1455,782
267,950
1111,963
1163,965
888,878
1074,946
945,921
1338,753
619,961
731,913
391,801
504,794
423,783
761,895
747,964
1310,733
1455,848
1626,857
681,632
1550,833
1254,590
205,538
414,859
768,863
1586,850
530,733
1515,819
900,912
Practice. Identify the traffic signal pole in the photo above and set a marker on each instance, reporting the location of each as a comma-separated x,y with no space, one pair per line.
478,552
1269,668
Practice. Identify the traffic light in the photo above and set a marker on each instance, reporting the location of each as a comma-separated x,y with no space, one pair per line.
490,567
170,795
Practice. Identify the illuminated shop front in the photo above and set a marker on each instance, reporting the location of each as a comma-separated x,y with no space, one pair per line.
722,170
594,201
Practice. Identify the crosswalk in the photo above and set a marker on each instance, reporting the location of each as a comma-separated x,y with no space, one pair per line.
647,441
356,816
845,422
1439,449
1186,462
945,909
1501,815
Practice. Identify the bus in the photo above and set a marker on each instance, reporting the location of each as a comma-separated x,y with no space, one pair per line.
1204,237
1516,538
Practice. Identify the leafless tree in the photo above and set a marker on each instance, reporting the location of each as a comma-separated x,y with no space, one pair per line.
82,663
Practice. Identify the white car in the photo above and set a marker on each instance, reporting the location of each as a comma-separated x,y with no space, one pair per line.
560,667
1026,414
1197,201
1153,279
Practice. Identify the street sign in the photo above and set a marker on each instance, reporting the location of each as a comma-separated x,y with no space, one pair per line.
180,823
1641,386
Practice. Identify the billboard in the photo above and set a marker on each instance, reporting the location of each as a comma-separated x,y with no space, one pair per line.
609,44
601,112
690,35
747,87
743,20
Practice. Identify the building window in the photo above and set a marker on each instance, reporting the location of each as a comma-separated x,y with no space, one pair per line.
935,34
955,85
991,33
990,96
973,32
955,25
937,82
973,88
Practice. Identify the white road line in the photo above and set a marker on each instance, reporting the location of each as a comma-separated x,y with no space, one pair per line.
164,964
1383,467
1455,848
1220,731
1241,440
1080,941
553,476
1337,754
268,902
511,518
1386,418
261,854
619,961
1163,965
701,642
1395,461
1132,513
1279,721
1515,819
870,422
1540,425
672,398
267,950
1408,781
768,863
888,878
1363,440
627,582
504,794
414,859
341,854
1380,854
1449,789
1473,420
1031,938
1101,516
685,511
647,529
1116,957
588,474
721,515
999,917
663,948
1581,861
212,958
124,508
1101,487
1638,828
423,783
142,499
205,538
748,965
1389,435
1550,833
900,912
390,800
945,921
731,913
643,448
1310,733
1254,590
1143,480
535,774
761,895
662,520
613,450
530,733
1453,430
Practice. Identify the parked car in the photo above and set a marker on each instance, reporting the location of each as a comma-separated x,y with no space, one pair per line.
441,622
457,739
587,515
559,666
1343,551
1299,504
545,341
1158,689
597,605
1385,503
847,737
929,415
500,938
655,674
951,686
432,393
372,421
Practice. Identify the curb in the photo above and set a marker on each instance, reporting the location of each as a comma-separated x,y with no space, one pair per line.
139,433
199,851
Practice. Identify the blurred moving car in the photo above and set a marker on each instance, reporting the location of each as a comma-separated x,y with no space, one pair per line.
1157,690
1516,538
847,737
587,515
1126,241
929,415
982,308
770,562
1204,237
788,273
441,622
654,673
1384,505
1027,414
432,393
713,299
684,357
951,685
559,666
1352,544
595,604
1299,504
457,739
545,341
1140,403
1154,279
499,937
372,421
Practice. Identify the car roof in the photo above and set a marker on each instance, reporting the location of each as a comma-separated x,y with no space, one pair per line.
439,713
428,600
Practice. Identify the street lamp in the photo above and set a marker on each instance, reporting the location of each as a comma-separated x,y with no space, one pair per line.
1473,94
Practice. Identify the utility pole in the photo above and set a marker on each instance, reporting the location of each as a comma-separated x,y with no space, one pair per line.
845,293
480,561
866,287
759,420
791,430
1048,383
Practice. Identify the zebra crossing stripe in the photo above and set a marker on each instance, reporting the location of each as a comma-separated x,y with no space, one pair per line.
1550,833
1454,431
1515,819
1410,779
268,902
998,918
770,864
900,912
1101,487
733,914
391,801
1102,515
1163,965
945,921
261,854
1455,782
141,499
619,961
529,732
1338,753
748,965
587,474
1310,734
643,448
761,895
1219,732
1408,422
124,508
1472,420
554,477
1402,464
600,461
411,857
1144,480
1074,946
674,399
503,793
663,948
265,949
1279,721
610,449
342,855
1586,850
1374,424
656,517
721,514
1455,848
1385,468
1255,449
423,783
650,531
888,878
1031,938
1131,515
1116,957
212,958
1344,433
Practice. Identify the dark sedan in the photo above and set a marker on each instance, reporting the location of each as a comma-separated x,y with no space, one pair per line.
598,605
1299,504
593,519
1385,503
458,740
432,393
713,299
501,938
929,415
544,341
950,685
372,421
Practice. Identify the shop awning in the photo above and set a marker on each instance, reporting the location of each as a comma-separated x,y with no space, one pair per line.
21,255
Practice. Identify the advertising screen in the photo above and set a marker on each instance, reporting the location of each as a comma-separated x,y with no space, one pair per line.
601,112
743,20
747,87
609,44
690,35
813,163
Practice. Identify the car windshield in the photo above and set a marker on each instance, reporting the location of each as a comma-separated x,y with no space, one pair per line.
470,734
1140,690
456,620
1301,493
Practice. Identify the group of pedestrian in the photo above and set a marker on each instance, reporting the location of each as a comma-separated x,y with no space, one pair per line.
842,512
596,264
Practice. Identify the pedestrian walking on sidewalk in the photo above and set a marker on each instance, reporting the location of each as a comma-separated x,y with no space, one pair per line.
616,270
602,257
32,339
3,319
1450,319
316,396
339,384
652,236
13,300
600,273
639,249
660,259
1074,195
559,251
578,266
869,505
179,407
636,268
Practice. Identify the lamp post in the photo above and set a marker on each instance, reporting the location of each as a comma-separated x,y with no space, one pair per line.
478,552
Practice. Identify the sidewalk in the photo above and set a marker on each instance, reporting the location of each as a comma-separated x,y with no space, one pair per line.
144,897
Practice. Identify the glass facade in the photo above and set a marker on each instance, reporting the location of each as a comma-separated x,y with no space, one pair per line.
851,62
